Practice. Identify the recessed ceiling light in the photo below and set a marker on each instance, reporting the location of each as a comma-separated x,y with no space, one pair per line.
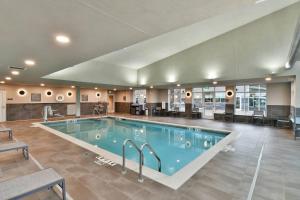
8,78
130,88
96,88
42,84
2,82
72,86
15,72
259,1
29,62
62,39
115,89
268,78
178,85
215,82
151,86
287,65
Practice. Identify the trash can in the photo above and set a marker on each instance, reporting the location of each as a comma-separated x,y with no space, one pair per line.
146,112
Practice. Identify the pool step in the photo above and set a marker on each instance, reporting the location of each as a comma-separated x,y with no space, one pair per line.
102,161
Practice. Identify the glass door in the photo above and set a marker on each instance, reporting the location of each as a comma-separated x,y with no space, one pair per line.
208,105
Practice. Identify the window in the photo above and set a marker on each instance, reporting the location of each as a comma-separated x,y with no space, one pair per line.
220,100
209,100
139,96
250,98
197,100
176,99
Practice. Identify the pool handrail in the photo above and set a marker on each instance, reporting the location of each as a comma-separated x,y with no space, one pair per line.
154,153
140,178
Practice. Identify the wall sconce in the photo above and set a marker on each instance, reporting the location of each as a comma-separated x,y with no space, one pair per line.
98,94
48,93
69,93
22,92
60,98
188,94
229,93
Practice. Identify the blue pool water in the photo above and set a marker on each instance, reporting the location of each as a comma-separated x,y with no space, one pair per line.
176,146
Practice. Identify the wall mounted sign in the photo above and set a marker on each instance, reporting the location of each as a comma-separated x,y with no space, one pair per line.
22,92
84,97
36,97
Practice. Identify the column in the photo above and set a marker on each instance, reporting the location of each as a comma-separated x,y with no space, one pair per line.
188,102
229,106
77,102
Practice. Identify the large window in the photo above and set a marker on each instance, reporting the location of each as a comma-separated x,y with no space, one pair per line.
220,99
139,96
209,100
197,100
250,98
176,99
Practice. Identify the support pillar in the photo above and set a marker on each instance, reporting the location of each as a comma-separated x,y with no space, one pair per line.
188,102
77,102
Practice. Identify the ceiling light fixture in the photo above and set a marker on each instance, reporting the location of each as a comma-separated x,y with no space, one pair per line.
130,88
8,78
151,86
268,78
178,85
29,62
62,39
2,82
259,1
115,89
72,86
15,72
215,82
96,88
42,84
287,65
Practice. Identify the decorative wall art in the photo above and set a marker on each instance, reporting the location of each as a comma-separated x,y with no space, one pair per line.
36,97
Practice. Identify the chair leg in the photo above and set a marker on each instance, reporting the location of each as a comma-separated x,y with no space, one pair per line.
26,153
10,135
63,190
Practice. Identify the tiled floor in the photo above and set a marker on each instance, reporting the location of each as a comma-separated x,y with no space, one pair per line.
227,176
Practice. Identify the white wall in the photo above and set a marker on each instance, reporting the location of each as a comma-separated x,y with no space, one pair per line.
279,94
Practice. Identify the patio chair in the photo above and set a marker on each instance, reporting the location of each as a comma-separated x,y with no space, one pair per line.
22,186
15,146
7,130
258,116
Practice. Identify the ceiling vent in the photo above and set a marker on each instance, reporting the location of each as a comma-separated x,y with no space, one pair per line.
17,68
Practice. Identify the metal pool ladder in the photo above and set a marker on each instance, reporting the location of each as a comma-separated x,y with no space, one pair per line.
140,179
141,157
152,152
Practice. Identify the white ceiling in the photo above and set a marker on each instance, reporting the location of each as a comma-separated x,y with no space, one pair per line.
99,27
256,50
165,45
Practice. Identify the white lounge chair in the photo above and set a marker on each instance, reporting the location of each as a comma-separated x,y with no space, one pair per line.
15,146
26,185
8,130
